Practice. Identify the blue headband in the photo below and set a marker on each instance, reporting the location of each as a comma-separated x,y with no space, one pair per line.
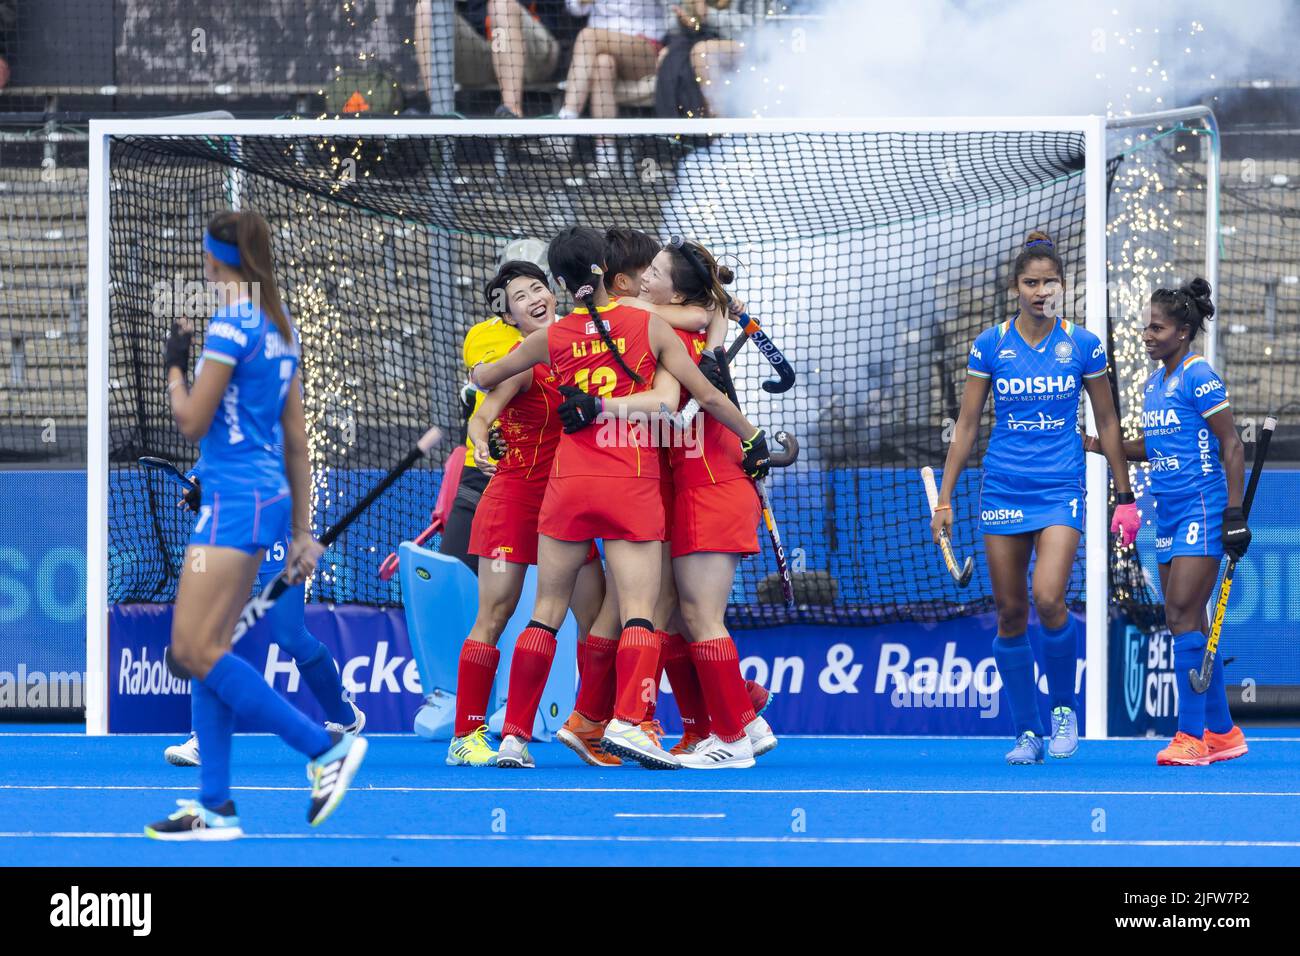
221,251
1040,242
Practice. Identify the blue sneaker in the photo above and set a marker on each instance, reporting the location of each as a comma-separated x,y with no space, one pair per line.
193,821
1065,732
331,774
1028,749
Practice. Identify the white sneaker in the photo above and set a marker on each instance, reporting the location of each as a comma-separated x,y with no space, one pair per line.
184,755
358,722
715,754
760,735
513,754
630,742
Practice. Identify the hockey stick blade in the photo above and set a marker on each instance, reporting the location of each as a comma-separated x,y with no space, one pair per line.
963,574
169,469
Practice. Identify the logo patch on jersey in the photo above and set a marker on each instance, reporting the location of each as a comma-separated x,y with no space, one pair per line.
1208,387
1042,423
1160,418
1064,351
1172,386
224,330
1002,514
1007,353
1164,544
976,352
1160,462
589,328
1037,385
1099,350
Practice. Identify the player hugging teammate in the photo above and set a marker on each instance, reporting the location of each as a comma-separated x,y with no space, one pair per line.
1187,425
605,353
1032,493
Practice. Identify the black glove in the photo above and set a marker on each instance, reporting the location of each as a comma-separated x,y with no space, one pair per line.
1236,536
177,352
496,443
712,371
758,460
578,410
192,498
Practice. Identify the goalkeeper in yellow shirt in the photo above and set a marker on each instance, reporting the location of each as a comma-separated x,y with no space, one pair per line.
486,341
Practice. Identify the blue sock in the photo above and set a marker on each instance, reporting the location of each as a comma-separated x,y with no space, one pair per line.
1189,649
1015,659
322,677
214,722
235,681
289,630
1218,719
1061,653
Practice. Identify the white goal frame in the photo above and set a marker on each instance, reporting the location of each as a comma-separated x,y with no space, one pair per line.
1093,128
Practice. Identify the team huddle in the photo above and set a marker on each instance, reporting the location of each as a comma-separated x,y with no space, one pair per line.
564,457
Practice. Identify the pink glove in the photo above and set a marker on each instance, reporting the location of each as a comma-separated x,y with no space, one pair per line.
1126,523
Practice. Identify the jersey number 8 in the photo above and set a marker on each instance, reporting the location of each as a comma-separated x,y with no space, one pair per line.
604,378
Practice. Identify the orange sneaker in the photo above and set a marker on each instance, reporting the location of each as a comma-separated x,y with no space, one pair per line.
582,736
688,743
1225,746
1184,751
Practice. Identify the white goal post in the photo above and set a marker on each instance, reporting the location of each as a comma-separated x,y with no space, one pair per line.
1092,128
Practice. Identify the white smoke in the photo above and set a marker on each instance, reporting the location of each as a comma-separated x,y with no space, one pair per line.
1006,57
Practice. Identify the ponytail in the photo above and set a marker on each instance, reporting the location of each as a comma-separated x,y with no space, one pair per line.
1190,305
586,296
696,275
249,233
575,258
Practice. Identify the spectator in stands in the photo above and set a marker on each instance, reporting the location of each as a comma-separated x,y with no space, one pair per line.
622,41
508,43
701,54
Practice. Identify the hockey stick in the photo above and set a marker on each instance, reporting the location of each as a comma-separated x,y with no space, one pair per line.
258,606
1201,678
963,574
687,415
785,373
169,468
787,457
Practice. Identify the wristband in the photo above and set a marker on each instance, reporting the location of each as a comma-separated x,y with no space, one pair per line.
1125,498
939,508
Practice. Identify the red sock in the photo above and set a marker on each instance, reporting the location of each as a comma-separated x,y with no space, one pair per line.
638,657
659,674
718,665
529,668
596,692
686,686
582,657
474,676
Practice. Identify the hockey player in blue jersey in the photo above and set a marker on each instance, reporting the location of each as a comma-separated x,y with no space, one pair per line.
1187,426
287,620
245,384
1032,494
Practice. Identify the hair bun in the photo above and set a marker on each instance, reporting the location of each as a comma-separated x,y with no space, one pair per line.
725,275
1199,291
1038,237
